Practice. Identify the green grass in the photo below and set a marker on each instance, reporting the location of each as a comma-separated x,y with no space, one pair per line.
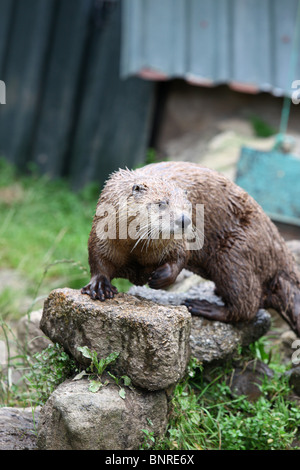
207,415
44,223
43,234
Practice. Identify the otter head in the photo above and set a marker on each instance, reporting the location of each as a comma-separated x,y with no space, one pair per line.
160,208
146,209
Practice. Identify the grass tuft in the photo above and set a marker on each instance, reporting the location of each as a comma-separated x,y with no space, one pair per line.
43,235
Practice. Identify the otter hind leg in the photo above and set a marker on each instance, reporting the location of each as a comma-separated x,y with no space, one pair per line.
297,312
285,299
207,310
242,301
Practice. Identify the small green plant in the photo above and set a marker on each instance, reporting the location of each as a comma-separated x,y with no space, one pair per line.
47,370
258,350
118,380
194,366
261,128
149,438
96,367
151,156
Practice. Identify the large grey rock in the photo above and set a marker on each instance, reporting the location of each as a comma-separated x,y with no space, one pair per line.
30,336
247,379
294,379
210,340
185,281
285,344
152,339
217,341
18,428
76,419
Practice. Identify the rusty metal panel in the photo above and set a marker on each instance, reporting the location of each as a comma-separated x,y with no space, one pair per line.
243,43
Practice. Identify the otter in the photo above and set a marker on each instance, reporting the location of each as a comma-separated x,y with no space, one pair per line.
145,230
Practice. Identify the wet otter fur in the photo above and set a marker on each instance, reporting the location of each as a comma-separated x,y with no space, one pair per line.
243,252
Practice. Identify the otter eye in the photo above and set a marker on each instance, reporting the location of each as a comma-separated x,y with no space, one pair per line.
162,204
138,188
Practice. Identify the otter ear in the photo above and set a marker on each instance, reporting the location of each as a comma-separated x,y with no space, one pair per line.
138,188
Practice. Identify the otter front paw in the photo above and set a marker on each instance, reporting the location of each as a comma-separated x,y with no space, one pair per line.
99,288
162,277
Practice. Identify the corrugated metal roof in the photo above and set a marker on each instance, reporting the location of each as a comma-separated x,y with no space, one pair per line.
245,43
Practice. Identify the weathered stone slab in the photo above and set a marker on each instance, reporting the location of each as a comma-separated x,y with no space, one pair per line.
74,418
210,340
152,339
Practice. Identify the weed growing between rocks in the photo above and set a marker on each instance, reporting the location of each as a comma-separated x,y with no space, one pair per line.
47,370
96,369
27,380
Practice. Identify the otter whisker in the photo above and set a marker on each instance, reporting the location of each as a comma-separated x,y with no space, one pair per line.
143,235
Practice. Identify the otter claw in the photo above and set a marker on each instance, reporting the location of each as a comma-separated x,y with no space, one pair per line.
99,288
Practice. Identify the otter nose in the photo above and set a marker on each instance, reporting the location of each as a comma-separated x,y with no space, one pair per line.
184,221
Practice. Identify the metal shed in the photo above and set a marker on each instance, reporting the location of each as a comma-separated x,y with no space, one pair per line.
244,43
